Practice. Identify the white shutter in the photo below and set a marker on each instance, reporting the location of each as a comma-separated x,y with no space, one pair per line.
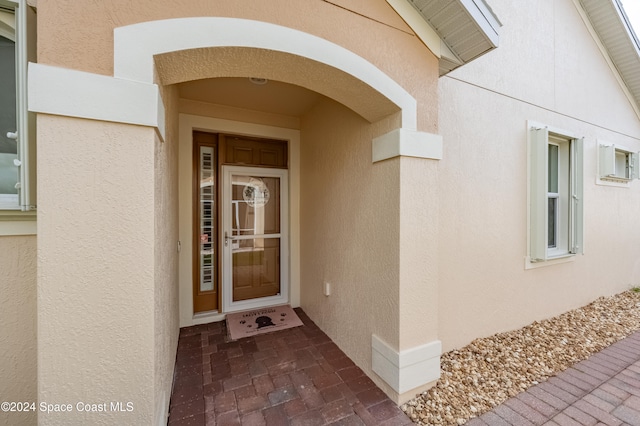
538,189
635,165
607,160
25,51
576,219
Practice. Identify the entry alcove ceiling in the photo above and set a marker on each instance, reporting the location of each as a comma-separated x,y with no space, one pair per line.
239,92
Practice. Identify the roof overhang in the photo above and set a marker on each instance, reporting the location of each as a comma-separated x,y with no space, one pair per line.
456,31
614,30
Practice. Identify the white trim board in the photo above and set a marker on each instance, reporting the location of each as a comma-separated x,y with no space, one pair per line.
135,46
72,93
408,143
18,227
408,369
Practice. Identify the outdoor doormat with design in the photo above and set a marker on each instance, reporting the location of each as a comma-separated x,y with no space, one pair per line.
260,321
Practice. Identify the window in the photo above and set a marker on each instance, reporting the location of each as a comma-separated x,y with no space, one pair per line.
555,194
616,165
17,176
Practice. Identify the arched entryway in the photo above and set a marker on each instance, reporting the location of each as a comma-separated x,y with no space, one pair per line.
208,49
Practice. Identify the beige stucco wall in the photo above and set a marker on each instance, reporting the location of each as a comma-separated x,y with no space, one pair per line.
547,69
419,248
166,316
82,38
18,365
350,232
370,29
96,290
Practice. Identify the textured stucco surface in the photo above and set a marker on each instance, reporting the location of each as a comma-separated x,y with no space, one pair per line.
166,257
96,269
18,362
196,64
356,244
370,29
484,287
350,236
418,252
237,114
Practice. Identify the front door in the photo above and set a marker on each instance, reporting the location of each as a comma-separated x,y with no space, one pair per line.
254,237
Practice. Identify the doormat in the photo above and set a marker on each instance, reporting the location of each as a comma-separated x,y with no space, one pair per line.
260,321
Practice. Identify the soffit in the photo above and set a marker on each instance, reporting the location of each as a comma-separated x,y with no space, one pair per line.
467,28
273,97
616,34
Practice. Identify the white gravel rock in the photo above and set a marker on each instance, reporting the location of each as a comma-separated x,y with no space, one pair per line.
490,370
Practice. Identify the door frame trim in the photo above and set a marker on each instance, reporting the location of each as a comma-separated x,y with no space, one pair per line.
228,305
187,124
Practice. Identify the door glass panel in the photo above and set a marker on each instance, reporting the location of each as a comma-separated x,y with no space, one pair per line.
553,168
207,218
255,228
256,268
8,122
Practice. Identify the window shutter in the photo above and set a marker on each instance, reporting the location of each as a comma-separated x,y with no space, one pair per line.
635,165
25,50
577,196
607,159
538,159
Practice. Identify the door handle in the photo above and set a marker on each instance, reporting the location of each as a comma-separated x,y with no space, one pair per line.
226,239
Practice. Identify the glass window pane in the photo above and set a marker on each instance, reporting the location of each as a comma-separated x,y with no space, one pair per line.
553,168
255,205
8,147
552,221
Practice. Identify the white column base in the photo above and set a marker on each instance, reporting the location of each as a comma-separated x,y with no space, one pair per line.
408,369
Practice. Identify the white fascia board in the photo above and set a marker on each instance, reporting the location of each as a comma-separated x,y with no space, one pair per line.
408,369
72,93
627,25
635,103
417,23
407,143
482,14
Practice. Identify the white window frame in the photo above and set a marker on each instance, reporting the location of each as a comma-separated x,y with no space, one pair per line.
570,210
617,165
23,201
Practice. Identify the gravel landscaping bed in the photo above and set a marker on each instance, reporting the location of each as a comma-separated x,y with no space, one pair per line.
490,370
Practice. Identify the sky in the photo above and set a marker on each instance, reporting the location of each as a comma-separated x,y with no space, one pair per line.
632,8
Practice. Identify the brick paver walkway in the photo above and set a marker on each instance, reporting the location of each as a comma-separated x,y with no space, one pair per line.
602,390
290,377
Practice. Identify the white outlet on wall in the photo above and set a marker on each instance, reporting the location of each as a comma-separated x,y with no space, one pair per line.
327,288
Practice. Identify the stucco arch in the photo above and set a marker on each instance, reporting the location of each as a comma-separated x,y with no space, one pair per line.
191,48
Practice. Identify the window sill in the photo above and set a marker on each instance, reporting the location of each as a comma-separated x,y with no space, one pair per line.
613,181
15,222
565,258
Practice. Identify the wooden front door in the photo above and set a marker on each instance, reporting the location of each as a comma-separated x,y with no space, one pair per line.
255,271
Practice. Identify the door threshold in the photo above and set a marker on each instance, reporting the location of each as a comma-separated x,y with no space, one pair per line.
207,317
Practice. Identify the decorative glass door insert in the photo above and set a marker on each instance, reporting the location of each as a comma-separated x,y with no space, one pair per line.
205,217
